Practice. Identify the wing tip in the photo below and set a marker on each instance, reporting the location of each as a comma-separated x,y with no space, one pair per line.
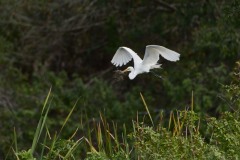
175,56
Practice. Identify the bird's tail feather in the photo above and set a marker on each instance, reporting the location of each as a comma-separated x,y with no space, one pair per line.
156,66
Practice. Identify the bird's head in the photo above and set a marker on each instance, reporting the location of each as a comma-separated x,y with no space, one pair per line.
132,74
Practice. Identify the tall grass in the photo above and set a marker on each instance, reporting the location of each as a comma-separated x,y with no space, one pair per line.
50,148
181,138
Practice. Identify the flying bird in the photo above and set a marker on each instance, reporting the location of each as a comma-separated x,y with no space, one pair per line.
124,54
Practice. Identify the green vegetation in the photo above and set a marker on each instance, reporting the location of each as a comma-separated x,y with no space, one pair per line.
192,113
181,139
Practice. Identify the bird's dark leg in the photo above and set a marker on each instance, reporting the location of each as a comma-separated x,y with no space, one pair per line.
156,75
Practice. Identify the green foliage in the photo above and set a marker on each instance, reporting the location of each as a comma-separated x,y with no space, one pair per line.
181,140
101,156
25,155
58,149
98,93
225,134
186,143
232,91
96,156
150,144
61,147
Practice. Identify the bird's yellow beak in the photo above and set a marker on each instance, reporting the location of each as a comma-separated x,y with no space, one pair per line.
126,70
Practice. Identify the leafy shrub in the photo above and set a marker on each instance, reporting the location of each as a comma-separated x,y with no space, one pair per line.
225,134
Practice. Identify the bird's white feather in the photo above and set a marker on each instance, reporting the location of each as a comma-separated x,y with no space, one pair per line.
124,55
152,53
151,56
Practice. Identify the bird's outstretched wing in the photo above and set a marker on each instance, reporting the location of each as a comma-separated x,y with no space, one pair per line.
152,53
124,55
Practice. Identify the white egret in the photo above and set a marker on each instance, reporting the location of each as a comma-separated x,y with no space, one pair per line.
151,57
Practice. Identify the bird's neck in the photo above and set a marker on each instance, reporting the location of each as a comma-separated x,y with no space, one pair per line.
132,73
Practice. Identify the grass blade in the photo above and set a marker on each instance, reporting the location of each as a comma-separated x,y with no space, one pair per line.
146,108
46,100
38,132
70,113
